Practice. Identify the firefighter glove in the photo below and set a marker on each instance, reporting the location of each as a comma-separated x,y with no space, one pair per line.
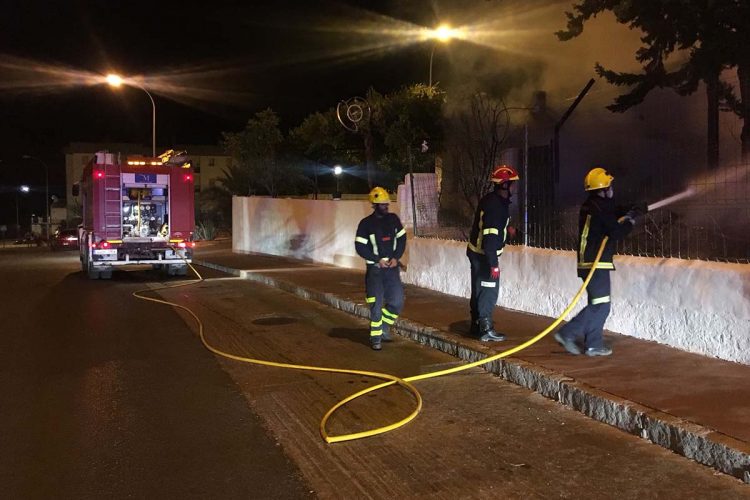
494,272
629,217
640,208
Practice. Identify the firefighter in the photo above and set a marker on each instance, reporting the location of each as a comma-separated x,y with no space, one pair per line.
381,241
486,241
598,218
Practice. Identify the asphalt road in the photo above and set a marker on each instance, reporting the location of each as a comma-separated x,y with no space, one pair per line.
106,395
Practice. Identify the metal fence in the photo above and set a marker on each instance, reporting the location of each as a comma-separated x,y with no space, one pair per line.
711,224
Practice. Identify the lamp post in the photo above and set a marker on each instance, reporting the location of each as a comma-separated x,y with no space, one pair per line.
443,33
22,189
116,81
337,170
46,191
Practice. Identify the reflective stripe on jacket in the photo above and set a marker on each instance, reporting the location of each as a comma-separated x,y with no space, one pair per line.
597,219
381,237
490,228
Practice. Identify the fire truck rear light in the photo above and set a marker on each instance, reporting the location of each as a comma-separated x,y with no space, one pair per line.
98,174
182,244
188,177
104,244
192,244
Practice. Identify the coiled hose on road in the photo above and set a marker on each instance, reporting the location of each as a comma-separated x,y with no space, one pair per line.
389,379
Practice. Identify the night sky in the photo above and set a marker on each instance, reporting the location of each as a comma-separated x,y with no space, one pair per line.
246,55
212,65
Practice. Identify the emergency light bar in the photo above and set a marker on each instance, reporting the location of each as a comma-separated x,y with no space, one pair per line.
143,160
133,162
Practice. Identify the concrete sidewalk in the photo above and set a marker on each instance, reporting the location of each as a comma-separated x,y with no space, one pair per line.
693,405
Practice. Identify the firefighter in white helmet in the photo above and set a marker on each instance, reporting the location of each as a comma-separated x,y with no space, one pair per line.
381,241
489,233
598,218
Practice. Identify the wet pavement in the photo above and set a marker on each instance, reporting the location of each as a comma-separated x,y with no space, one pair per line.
106,396
709,396
477,436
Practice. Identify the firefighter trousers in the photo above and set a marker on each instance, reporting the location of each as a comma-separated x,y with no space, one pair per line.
589,323
385,296
484,288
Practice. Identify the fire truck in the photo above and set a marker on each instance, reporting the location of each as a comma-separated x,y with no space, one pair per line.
136,211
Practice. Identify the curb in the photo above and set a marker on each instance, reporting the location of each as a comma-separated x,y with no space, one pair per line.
693,441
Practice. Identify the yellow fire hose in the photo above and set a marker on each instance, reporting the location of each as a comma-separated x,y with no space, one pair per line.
391,379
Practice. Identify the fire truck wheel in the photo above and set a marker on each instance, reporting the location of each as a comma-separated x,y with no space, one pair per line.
93,274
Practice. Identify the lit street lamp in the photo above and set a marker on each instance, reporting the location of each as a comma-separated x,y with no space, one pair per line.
444,34
337,170
23,189
116,81
46,191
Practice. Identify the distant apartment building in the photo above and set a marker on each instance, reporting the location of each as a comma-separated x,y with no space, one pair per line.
208,162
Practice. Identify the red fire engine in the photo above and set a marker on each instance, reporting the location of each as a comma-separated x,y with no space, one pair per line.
136,210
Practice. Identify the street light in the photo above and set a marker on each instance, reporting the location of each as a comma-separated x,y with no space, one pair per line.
46,191
337,170
23,189
443,34
116,81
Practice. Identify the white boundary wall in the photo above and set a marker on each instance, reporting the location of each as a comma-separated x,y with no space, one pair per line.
701,307
318,230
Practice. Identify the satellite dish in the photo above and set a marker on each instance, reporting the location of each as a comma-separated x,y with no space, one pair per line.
352,113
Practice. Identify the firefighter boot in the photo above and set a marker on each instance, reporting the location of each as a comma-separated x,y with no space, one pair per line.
569,344
474,327
599,351
375,342
488,332
386,335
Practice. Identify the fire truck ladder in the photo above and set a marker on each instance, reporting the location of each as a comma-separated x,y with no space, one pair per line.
112,202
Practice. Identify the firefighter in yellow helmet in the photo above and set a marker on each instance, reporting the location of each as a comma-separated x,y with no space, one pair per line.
381,241
598,218
486,241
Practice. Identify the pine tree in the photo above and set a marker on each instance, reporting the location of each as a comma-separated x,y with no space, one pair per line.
713,34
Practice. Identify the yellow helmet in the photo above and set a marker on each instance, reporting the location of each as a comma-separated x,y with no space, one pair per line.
379,195
597,178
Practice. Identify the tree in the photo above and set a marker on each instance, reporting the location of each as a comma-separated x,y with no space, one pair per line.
237,181
403,121
404,118
214,206
713,34
323,141
476,130
258,165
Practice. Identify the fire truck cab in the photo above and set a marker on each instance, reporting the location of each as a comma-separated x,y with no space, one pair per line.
136,210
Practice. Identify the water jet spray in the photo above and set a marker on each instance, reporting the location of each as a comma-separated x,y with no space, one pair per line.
672,199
